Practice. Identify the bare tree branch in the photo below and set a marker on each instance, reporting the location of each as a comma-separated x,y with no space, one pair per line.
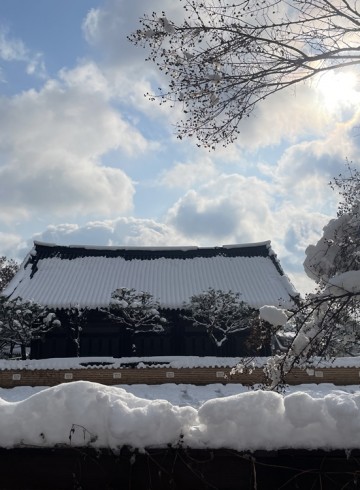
226,57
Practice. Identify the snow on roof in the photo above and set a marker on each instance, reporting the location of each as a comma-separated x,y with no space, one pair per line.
61,276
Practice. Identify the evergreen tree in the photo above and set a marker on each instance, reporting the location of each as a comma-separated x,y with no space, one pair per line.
137,312
24,321
220,314
8,269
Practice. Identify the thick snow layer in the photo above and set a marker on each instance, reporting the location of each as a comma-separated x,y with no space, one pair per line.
273,315
320,258
84,413
175,362
118,363
347,282
90,281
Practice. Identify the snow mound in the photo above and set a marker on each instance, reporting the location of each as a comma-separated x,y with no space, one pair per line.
83,413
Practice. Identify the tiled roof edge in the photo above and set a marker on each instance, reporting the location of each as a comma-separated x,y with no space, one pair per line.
46,250
266,243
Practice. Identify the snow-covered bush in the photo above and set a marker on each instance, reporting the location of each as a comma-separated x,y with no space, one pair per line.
8,268
24,321
137,311
220,314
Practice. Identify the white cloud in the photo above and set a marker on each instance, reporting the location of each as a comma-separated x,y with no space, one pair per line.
108,26
185,175
237,209
304,170
13,49
224,209
10,244
286,116
119,231
106,29
60,184
52,142
88,77
303,284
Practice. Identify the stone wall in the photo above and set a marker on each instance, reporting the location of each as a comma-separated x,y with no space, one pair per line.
160,375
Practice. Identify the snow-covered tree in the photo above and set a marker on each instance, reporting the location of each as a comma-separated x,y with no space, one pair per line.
327,323
226,56
220,314
338,250
137,312
8,268
75,318
24,321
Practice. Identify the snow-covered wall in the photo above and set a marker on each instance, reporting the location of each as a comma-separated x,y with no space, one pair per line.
177,362
89,414
158,371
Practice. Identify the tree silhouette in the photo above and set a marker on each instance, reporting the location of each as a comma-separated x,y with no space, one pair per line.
226,56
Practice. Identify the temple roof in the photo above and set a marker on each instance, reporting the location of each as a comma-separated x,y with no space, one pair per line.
62,276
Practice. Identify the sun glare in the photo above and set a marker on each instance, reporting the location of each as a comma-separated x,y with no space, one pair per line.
338,89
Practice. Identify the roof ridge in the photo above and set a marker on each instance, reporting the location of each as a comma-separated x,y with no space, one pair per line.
154,248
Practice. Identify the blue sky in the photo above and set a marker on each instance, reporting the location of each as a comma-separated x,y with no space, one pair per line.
86,158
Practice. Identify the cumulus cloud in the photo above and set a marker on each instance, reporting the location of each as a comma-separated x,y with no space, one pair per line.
119,231
185,175
52,142
106,29
238,209
304,170
224,209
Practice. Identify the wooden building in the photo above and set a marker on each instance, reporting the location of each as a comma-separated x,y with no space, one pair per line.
62,277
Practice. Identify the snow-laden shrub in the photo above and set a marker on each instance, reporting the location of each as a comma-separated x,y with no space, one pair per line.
8,268
137,311
23,321
220,314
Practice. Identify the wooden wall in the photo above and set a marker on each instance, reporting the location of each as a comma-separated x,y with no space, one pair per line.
101,337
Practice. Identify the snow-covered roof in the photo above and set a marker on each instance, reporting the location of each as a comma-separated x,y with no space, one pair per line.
61,276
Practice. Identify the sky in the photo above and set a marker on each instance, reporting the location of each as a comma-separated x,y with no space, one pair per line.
85,158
